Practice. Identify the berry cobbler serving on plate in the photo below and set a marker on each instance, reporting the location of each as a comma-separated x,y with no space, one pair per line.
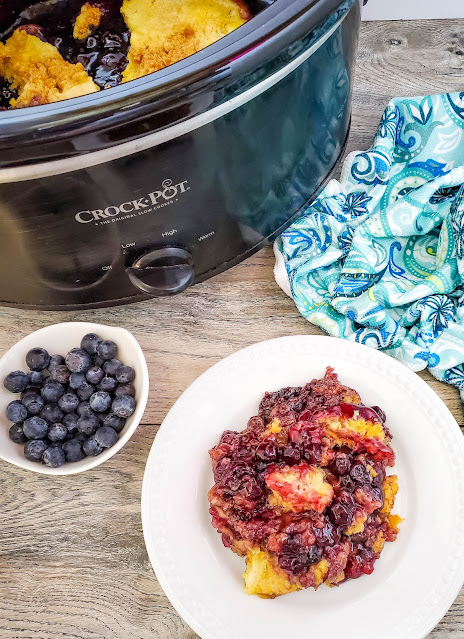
303,491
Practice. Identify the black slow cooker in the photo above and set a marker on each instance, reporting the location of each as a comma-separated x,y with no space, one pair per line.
146,188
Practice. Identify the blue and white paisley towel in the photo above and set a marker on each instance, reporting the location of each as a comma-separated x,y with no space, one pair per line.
378,258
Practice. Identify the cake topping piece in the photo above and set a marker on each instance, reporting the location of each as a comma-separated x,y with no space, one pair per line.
299,488
263,578
38,71
87,21
166,31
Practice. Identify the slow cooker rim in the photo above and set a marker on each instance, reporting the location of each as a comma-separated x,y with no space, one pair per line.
261,28
69,164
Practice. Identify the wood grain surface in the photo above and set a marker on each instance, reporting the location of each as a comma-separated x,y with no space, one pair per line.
73,563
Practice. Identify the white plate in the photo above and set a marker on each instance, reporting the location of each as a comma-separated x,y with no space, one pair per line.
416,578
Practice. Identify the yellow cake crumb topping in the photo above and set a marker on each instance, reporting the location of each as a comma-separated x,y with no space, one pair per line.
366,429
357,526
320,571
371,470
166,31
351,397
39,72
274,427
299,488
275,500
379,543
263,578
336,580
394,521
87,21
390,488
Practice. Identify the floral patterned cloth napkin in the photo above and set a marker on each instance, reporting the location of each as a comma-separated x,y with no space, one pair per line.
378,258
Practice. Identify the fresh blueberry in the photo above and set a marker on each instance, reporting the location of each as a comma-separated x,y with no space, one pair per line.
107,349
57,432
35,427
37,359
84,410
125,389
16,412
90,343
51,413
73,450
360,474
53,457
106,437
124,406
52,391
80,437
78,360
266,452
76,380
55,360
98,361
91,448
341,462
85,391
30,390
95,374
380,413
314,555
291,454
16,434
33,403
125,375
68,402
108,384
88,424
70,421
60,373
36,378
16,381
115,422
34,449
328,535
112,366
99,402
102,416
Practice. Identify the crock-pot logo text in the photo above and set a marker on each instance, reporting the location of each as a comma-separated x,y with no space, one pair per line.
155,200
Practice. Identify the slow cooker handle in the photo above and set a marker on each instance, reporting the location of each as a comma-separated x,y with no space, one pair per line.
163,271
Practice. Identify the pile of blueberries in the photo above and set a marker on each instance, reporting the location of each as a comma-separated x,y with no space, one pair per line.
73,406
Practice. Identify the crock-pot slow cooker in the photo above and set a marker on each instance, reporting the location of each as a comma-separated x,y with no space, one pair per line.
146,188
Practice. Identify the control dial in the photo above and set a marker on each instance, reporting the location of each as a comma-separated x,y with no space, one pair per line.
163,271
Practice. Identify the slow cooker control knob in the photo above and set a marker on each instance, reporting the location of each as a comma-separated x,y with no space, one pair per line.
163,271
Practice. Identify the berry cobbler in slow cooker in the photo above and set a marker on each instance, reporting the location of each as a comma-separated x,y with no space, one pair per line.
303,491
58,49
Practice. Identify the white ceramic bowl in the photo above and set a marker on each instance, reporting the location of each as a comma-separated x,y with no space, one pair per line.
59,339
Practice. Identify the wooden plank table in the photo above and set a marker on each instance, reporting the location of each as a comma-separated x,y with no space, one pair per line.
73,563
